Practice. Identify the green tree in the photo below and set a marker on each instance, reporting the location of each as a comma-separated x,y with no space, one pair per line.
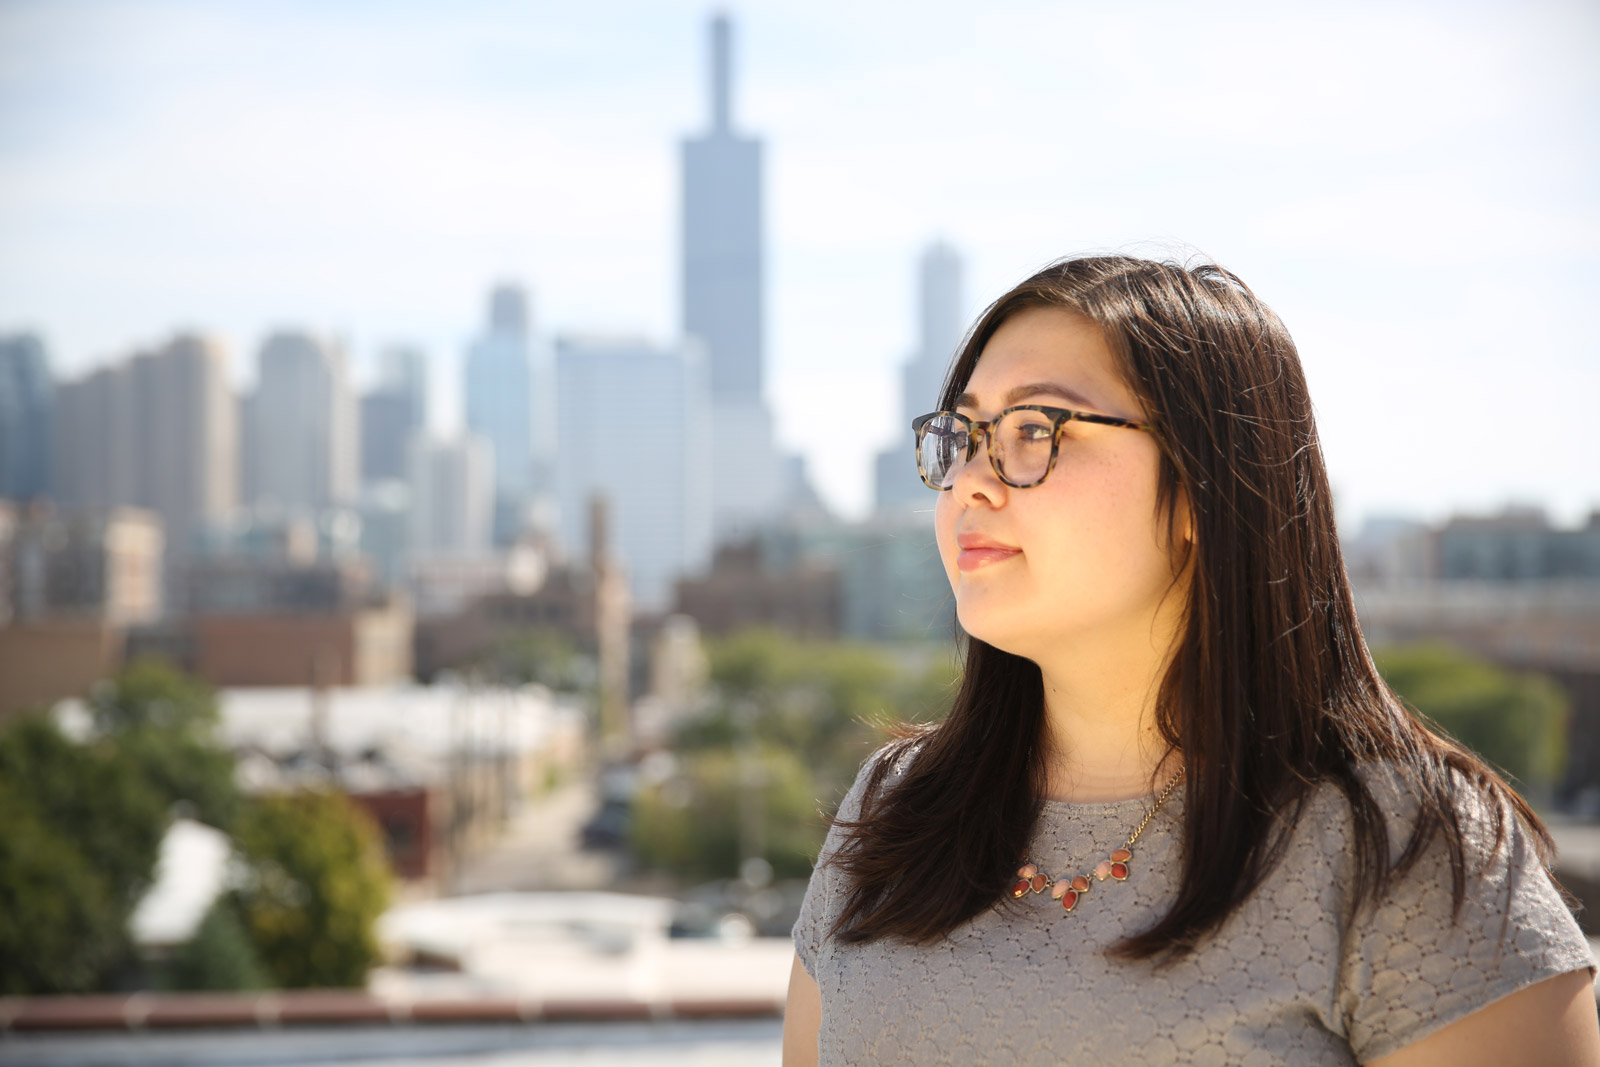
82,831
541,655
1515,721
806,713
219,956
690,825
164,723
827,702
316,881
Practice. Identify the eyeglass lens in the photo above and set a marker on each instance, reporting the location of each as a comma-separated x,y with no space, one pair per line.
1019,442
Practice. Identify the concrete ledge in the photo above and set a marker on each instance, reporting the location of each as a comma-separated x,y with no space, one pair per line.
179,1011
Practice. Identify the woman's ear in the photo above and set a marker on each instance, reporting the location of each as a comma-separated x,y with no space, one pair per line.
1183,518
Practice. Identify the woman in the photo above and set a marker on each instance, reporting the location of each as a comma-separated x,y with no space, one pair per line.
1174,815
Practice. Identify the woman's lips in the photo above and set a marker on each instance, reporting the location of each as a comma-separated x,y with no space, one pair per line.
970,559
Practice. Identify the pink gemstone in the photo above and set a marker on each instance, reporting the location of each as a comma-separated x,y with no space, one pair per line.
1081,884
1039,882
1102,870
1058,889
1121,855
1069,900
1027,870
1119,871
1019,889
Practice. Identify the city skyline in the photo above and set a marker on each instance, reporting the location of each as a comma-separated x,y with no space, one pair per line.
1371,176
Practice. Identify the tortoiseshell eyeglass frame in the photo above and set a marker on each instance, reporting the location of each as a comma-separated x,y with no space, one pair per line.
1059,417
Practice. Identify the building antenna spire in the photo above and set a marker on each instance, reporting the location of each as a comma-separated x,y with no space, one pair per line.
720,62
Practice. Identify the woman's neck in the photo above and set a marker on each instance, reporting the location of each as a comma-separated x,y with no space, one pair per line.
1101,737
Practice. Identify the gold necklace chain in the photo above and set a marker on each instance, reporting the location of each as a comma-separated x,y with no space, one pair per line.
1115,867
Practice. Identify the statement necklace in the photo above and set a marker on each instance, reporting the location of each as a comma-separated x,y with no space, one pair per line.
1115,866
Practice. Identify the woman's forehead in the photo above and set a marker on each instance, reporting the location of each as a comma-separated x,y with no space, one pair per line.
1047,351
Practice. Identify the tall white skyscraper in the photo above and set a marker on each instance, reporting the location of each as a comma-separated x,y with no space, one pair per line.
452,496
940,328
633,427
157,431
304,425
723,294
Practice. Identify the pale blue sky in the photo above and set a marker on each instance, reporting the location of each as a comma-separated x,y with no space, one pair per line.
1412,185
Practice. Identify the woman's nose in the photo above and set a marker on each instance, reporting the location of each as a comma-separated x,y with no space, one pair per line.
977,480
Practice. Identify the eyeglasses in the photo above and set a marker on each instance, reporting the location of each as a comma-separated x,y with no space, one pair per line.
1023,442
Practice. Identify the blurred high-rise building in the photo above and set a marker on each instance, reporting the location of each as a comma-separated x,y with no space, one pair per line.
27,395
392,412
92,442
103,565
452,496
723,286
939,330
158,431
633,429
303,416
509,402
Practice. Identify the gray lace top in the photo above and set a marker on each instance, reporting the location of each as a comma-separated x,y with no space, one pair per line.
1286,979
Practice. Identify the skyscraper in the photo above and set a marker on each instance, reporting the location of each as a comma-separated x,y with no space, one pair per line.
633,428
722,253
306,443
452,496
723,301
26,398
939,331
157,431
392,413
499,391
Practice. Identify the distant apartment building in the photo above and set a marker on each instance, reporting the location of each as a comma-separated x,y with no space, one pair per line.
744,588
304,439
633,429
80,565
1510,587
157,431
879,580
27,398
262,621
1518,545
393,412
71,585
452,497
384,512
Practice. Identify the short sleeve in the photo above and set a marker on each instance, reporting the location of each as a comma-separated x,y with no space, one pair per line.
820,903
1408,970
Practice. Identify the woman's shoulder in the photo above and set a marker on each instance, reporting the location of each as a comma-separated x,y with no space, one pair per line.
1454,927
883,769
1400,794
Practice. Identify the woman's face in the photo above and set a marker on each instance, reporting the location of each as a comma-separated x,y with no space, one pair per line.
1082,558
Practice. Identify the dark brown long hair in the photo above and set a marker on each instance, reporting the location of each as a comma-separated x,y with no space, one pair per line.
1270,691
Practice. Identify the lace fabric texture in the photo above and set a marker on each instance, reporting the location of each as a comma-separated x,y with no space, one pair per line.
1286,980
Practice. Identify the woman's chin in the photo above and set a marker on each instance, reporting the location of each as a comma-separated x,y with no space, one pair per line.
992,631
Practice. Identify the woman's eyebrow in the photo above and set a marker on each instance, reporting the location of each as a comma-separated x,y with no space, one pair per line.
1023,392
